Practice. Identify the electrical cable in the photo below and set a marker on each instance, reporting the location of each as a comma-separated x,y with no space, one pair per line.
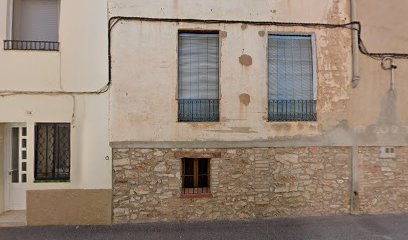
354,26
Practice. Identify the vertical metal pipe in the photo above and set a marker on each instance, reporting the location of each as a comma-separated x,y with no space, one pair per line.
392,77
354,206
356,51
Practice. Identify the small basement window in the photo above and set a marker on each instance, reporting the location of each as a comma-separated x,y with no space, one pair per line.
196,176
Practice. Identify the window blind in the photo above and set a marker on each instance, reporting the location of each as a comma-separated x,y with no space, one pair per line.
36,20
290,68
198,66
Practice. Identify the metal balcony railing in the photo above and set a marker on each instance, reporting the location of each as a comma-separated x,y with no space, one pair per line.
292,110
31,45
198,110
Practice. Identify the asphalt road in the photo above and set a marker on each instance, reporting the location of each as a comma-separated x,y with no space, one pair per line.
342,227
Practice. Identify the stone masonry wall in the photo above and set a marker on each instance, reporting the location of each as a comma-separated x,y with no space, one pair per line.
383,182
245,184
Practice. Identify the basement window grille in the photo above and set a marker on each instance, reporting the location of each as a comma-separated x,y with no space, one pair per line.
196,176
198,70
52,151
291,79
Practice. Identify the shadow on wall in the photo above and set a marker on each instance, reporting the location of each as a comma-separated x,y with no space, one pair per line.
388,112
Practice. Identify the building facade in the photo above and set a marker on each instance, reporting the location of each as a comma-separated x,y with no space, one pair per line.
55,159
241,111
140,111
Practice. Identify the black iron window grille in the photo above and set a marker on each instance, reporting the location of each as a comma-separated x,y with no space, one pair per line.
203,110
198,86
291,84
31,45
52,151
292,110
196,176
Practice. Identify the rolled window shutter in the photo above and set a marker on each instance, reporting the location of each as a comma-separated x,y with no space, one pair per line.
198,66
36,20
290,68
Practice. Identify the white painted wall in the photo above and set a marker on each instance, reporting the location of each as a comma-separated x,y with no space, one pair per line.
80,65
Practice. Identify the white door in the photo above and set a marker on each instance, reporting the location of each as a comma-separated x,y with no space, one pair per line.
16,165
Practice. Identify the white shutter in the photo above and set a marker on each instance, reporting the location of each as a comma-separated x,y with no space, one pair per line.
36,20
290,68
198,66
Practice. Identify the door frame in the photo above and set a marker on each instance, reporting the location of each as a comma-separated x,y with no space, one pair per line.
7,156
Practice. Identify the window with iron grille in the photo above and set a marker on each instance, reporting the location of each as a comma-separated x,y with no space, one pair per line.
34,25
198,71
291,79
196,176
52,151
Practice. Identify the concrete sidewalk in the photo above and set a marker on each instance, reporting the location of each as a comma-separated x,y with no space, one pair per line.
13,219
341,227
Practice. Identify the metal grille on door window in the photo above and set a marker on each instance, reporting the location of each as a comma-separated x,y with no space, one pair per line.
52,151
19,155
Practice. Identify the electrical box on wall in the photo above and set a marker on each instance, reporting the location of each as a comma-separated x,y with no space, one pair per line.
387,152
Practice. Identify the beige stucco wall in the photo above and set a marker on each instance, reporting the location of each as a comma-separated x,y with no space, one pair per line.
80,65
260,10
144,106
373,108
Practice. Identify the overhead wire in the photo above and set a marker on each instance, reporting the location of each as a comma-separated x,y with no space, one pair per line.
354,26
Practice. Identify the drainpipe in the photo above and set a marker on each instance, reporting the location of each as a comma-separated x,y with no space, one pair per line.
355,203
356,51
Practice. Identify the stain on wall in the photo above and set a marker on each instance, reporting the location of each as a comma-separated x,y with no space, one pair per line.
244,99
235,130
224,34
261,33
245,60
388,111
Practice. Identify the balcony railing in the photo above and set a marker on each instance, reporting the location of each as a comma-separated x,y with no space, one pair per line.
292,110
198,110
31,45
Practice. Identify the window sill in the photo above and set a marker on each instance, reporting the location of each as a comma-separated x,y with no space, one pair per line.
293,121
52,181
42,46
31,50
202,195
198,121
